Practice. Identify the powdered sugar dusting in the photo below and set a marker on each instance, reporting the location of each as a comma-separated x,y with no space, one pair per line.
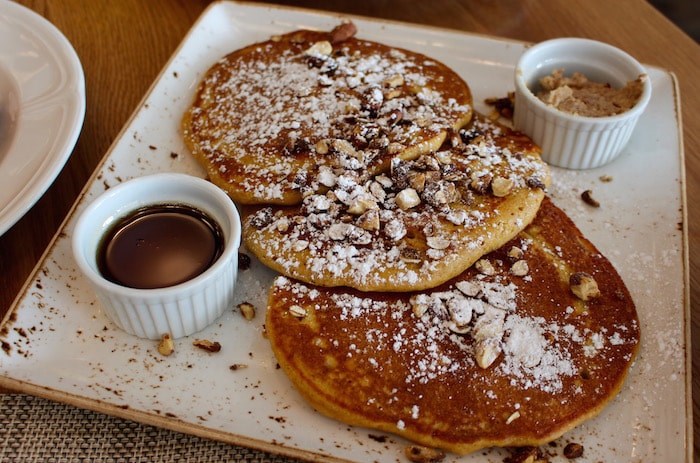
427,218
375,98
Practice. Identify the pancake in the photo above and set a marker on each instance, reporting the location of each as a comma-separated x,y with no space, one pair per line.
426,222
506,355
265,117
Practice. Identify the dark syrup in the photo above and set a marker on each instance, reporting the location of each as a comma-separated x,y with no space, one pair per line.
160,246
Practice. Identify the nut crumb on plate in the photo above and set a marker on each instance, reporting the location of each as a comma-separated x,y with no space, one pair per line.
205,344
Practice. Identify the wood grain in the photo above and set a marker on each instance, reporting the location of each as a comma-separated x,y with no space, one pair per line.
124,44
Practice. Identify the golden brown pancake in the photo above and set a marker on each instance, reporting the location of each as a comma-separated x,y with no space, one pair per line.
265,117
416,228
506,355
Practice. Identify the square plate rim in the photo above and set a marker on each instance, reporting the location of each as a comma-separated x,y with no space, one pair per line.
61,396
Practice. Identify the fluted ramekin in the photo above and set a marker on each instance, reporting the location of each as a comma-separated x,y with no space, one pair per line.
178,310
569,140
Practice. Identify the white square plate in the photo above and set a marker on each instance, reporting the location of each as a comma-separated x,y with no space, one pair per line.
57,342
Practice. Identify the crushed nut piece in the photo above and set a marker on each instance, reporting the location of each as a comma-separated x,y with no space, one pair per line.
342,32
459,329
485,267
438,242
443,157
369,220
339,231
342,146
205,344
587,197
486,353
322,147
573,450
282,224
297,311
523,455
501,186
469,288
503,106
407,199
360,205
237,366
605,178
321,48
166,346
411,256
417,181
420,454
515,253
520,268
394,81
514,416
418,305
393,93
584,286
247,310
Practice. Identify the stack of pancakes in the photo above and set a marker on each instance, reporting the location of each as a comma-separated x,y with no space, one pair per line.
428,286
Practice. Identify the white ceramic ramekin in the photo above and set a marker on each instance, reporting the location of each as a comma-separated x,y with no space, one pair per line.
178,310
568,140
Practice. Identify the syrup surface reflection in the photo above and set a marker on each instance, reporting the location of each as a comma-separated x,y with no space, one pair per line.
160,246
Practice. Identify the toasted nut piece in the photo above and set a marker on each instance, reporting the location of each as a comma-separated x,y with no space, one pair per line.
468,288
237,366
205,344
437,242
326,177
360,205
407,199
345,147
297,311
411,256
443,157
393,93
584,286
369,220
321,48
300,245
420,454
384,181
485,267
342,32
486,353
481,184
587,197
514,416
605,178
322,147
520,268
339,231
459,329
395,229
501,186
394,81
573,450
377,191
515,253
417,180
282,224
415,89
418,306
247,310
166,346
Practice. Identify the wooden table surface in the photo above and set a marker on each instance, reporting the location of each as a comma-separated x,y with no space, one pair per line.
124,44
